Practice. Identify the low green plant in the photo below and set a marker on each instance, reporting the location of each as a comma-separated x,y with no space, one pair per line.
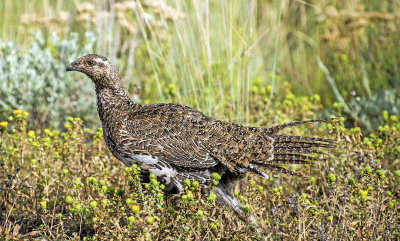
62,185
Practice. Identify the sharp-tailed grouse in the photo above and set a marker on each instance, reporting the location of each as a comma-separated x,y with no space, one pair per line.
176,142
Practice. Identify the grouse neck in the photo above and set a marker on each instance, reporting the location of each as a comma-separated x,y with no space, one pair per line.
112,99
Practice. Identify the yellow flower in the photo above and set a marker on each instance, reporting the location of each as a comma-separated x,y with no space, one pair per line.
363,192
31,133
131,219
135,208
4,124
43,205
17,112
47,132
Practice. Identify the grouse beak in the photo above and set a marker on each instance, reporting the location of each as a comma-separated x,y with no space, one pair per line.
72,68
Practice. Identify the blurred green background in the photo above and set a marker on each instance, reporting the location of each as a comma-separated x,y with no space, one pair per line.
251,62
230,59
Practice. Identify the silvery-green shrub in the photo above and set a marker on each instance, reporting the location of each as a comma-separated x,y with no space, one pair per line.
35,80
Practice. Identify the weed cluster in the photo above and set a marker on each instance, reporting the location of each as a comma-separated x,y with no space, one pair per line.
67,185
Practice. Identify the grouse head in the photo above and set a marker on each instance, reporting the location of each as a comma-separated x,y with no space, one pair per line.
97,68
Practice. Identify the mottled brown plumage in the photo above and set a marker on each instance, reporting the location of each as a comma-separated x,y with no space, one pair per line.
176,142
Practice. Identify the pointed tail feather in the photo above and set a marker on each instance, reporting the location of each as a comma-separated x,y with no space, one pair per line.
275,129
290,159
297,150
302,145
301,140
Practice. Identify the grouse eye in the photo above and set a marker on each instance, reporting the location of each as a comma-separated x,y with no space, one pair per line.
90,62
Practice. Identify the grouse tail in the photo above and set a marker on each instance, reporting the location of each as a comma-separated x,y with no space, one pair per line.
292,149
